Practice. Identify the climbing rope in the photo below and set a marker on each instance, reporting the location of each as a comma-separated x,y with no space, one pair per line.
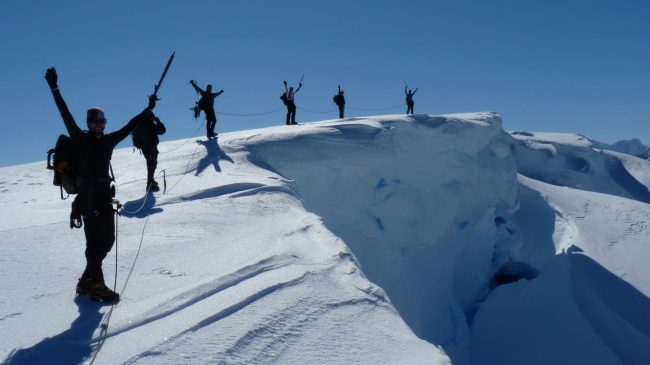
187,166
318,112
252,114
105,323
376,109
196,133
144,201
103,333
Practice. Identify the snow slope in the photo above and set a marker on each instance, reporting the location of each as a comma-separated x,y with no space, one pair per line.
382,240
232,269
573,160
416,199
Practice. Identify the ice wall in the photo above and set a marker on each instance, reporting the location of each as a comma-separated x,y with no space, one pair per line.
424,203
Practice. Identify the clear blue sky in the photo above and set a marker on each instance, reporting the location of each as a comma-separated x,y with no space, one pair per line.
578,66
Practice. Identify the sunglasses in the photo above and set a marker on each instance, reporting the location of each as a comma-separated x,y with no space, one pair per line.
101,121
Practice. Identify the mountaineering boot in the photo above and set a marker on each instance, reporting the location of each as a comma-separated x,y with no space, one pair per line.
153,186
96,291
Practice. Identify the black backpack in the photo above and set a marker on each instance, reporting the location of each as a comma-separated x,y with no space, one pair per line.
65,165
204,102
284,98
145,136
139,137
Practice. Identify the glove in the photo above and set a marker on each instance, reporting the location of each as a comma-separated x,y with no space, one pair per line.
192,82
299,84
75,216
51,78
285,83
152,101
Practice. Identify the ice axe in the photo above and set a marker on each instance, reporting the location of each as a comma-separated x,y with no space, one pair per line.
162,77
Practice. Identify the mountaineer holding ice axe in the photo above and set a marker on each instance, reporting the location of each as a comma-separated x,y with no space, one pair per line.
93,149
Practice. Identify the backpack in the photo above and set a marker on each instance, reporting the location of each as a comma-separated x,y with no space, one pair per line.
65,165
284,98
203,103
145,136
138,136
196,111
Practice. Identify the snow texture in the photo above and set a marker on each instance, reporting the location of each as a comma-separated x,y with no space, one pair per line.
381,240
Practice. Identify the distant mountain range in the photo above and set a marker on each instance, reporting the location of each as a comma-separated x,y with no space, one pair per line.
630,146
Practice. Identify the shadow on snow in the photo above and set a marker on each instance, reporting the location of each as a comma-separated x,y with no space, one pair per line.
140,208
214,154
72,346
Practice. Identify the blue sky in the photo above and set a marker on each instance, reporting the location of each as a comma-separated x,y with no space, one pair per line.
563,66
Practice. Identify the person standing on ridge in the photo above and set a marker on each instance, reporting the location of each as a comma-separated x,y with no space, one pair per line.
145,138
206,103
289,101
94,202
409,99
339,100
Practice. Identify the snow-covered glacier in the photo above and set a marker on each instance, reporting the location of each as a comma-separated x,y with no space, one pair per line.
423,202
380,240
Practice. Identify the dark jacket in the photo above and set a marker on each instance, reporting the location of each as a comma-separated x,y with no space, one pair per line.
145,136
409,95
339,99
207,98
95,152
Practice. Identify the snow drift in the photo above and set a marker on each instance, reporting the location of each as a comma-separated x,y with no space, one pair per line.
422,202
347,241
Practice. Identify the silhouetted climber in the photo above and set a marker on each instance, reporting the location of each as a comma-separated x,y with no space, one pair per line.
145,137
409,99
339,100
206,103
289,100
94,201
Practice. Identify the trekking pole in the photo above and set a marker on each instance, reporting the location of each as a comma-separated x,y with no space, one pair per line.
117,215
162,77
301,78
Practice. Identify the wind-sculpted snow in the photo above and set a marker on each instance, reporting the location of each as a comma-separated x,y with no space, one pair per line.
416,199
573,160
592,292
231,269
344,242
201,292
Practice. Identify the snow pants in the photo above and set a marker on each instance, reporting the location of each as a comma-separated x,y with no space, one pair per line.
291,112
99,227
151,156
211,122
